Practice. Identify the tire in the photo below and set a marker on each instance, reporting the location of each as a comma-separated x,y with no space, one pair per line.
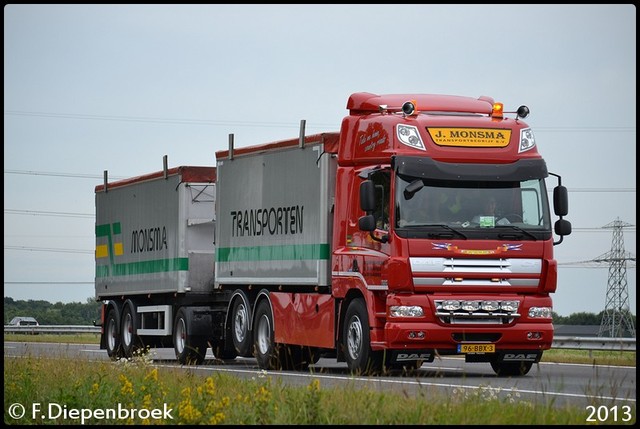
190,350
240,328
112,335
265,350
129,338
509,369
361,360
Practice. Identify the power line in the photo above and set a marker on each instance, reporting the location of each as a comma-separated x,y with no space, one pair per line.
95,176
187,121
49,249
48,213
607,190
585,129
49,283
92,215
54,174
160,120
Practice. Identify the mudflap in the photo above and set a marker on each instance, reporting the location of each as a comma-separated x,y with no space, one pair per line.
506,356
402,356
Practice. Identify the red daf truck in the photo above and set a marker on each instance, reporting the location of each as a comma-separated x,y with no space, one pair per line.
422,228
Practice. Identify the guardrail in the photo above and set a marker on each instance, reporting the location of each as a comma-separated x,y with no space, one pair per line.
53,329
595,343
576,343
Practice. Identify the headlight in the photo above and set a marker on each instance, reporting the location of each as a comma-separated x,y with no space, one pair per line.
451,305
509,305
540,312
470,305
406,311
409,135
490,305
527,140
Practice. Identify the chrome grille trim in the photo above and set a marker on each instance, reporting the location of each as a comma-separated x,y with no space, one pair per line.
457,272
458,317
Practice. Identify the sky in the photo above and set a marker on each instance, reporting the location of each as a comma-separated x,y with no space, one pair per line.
94,88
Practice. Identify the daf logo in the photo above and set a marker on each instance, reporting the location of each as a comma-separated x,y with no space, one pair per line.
520,356
412,356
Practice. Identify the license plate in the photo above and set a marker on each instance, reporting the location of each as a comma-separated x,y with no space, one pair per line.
476,348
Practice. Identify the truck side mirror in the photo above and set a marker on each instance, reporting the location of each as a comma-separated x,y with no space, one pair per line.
560,201
367,223
367,196
562,227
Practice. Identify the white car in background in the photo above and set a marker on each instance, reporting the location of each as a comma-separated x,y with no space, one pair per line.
24,321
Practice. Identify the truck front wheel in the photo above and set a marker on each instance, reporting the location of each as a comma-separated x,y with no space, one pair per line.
356,339
190,350
112,335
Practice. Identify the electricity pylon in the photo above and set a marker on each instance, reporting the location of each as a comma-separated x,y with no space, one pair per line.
616,318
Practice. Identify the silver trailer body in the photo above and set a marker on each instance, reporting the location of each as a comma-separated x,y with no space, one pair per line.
274,216
155,233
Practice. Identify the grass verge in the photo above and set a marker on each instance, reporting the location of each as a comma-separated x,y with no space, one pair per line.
136,392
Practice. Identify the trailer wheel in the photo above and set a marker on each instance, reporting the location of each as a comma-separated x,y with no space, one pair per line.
264,346
190,350
240,328
361,360
507,369
112,335
130,340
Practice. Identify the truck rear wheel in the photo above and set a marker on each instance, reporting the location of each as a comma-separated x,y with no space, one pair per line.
190,350
240,328
264,346
506,369
112,335
356,338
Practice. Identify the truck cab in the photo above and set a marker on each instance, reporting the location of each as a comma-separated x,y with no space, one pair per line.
449,235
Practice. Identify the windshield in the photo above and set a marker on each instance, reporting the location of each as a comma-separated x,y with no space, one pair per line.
467,206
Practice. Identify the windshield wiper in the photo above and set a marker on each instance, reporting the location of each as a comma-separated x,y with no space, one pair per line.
517,228
448,228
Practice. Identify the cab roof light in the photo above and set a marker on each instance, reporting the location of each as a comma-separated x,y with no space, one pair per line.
497,111
523,112
410,108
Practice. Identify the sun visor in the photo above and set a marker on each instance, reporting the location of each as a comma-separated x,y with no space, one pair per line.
425,168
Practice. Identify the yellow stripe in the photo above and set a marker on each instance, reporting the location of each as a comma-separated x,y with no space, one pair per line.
102,251
118,249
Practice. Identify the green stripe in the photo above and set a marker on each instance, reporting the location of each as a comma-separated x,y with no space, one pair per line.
103,230
145,267
102,271
297,252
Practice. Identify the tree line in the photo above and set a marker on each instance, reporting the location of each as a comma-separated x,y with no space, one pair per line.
47,313
77,313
